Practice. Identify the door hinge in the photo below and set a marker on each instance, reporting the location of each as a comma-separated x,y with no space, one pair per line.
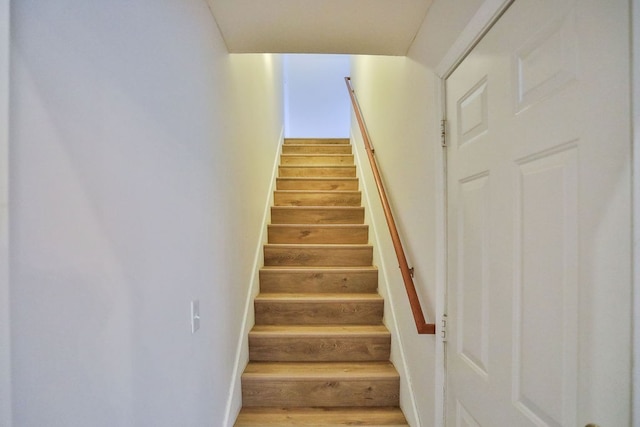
443,132
443,328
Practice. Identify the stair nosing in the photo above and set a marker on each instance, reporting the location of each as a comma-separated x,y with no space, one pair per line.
316,154
318,178
319,191
315,166
318,297
342,140
319,246
323,269
318,225
389,372
320,331
312,145
318,207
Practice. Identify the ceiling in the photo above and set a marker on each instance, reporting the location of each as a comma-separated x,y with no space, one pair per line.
373,27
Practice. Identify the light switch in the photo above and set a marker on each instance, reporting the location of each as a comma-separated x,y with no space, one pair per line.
195,316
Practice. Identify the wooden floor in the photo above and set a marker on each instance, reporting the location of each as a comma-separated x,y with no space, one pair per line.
319,352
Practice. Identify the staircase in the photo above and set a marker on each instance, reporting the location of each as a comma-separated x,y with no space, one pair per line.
319,353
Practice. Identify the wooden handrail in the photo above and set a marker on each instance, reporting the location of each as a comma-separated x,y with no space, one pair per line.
418,316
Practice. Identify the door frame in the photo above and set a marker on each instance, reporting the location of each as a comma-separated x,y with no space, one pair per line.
482,21
635,221
5,331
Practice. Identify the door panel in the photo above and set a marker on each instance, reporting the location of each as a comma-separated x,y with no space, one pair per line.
473,312
545,266
539,220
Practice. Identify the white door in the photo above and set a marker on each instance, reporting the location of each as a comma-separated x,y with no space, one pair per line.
539,301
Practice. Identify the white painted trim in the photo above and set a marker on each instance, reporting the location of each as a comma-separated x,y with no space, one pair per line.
479,24
488,13
399,361
234,401
635,134
441,263
5,331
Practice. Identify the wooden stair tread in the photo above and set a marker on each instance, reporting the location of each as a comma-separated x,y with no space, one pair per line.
319,343
315,166
295,269
319,297
311,144
322,254
316,155
288,141
318,233
316,160
327,226
361,279
317,183
344,308
323,208
302,331
318,191
318,208
317,198
316,149
317,214
316,178
317,246
326,371
286,171
326,417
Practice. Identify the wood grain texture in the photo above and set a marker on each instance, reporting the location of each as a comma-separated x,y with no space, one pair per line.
317,215
327,417
317,171
318,255
316,198
319,353
316,149
312,183
316,159
318,309
318,233
300,371
319,343
300,384
319,279
316,141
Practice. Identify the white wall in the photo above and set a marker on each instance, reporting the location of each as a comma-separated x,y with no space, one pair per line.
316,101
401,124
400,99
138,183
5,362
